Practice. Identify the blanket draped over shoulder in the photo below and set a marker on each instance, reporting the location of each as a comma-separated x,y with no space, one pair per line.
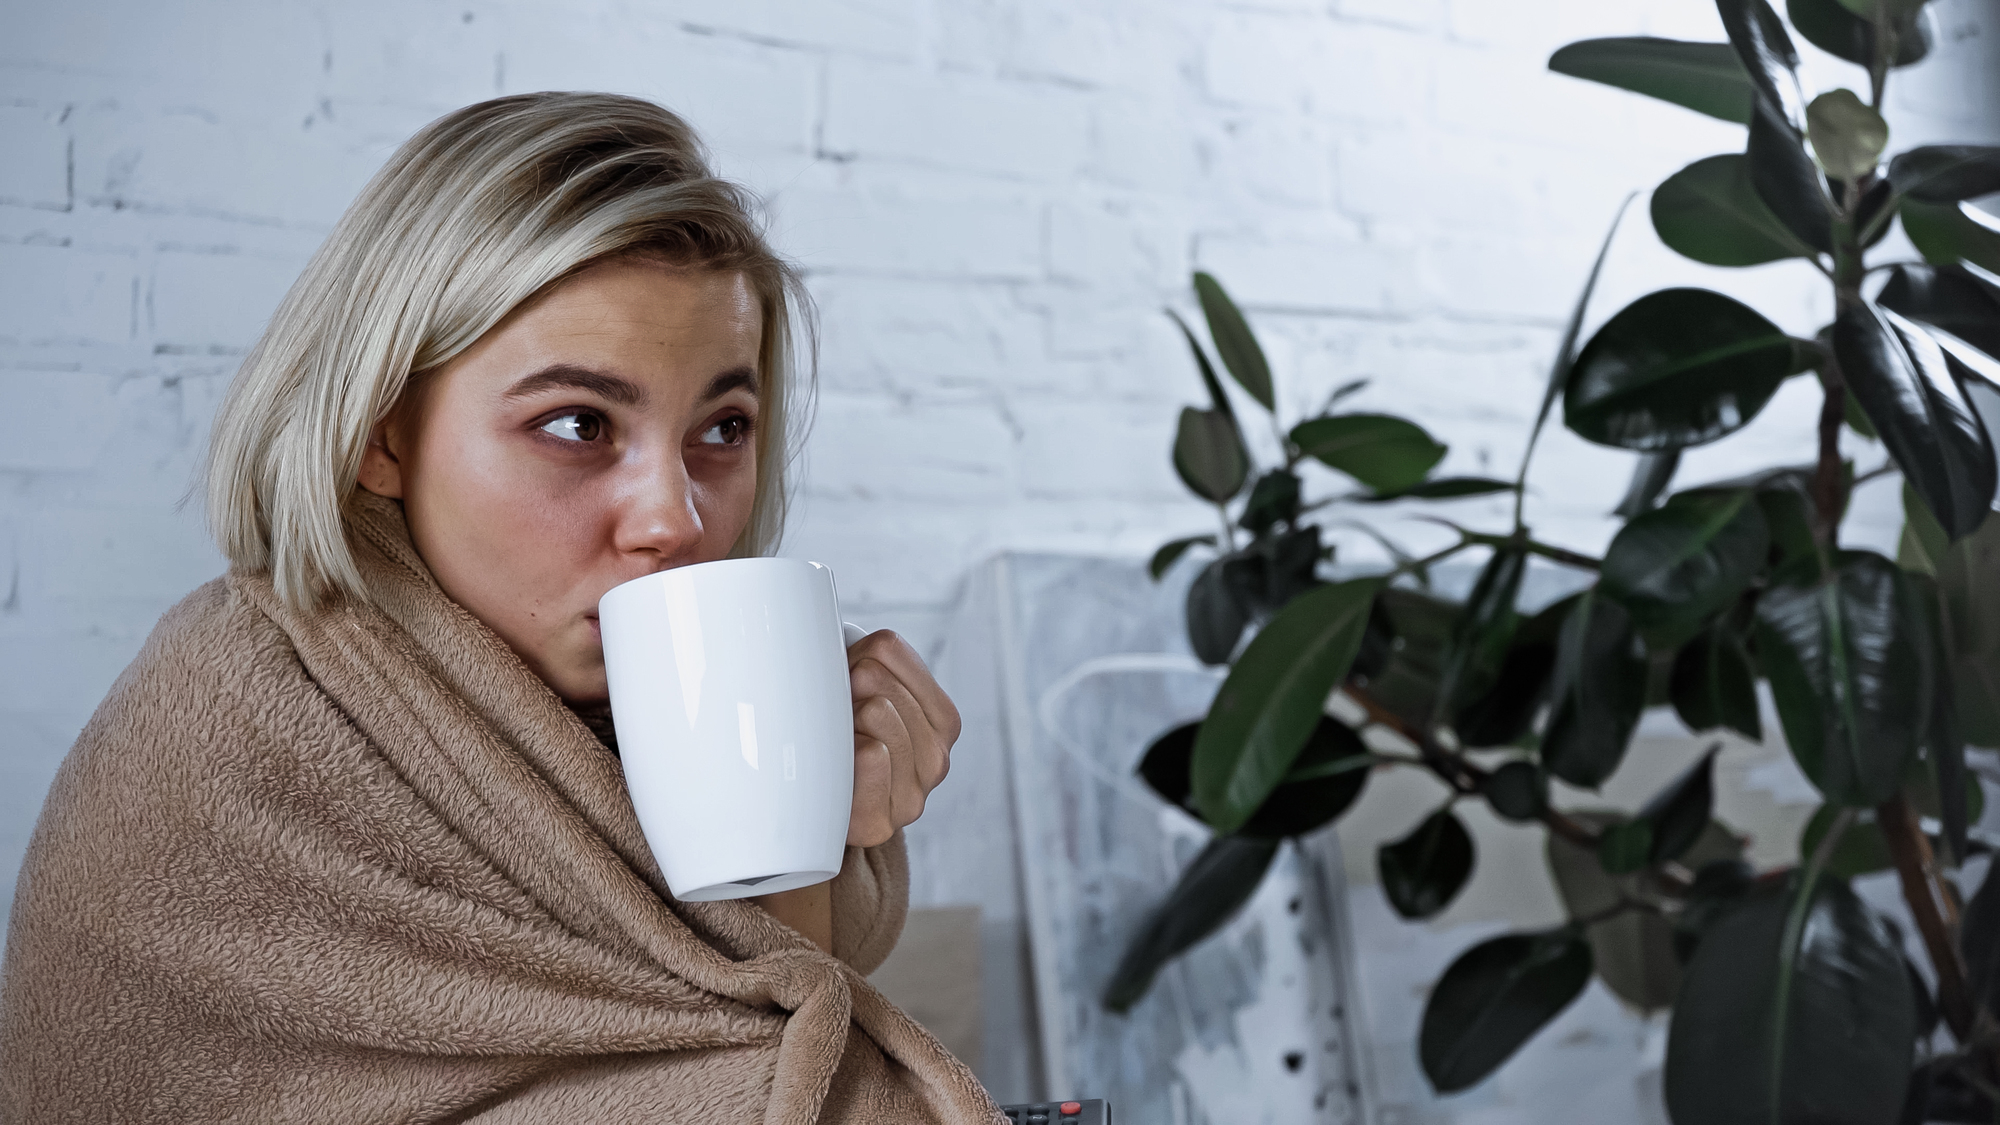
360,865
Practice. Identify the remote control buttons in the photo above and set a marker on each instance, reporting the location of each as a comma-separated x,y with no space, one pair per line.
1072,1108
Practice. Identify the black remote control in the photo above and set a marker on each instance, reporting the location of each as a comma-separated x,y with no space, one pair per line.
1092,1111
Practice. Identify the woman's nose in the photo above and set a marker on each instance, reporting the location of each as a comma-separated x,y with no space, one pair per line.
658,514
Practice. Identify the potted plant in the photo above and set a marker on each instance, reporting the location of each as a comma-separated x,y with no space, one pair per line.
1792,999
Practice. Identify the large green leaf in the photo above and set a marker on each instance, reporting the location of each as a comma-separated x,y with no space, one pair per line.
1422,872
1793,1015
1219,881
1494,998
1484,629
1828,25
1386,453
1949,233
1769,60
1597,693
1708,211
1209,456
1324,781
1910,391
1234,341
1676,368
1850,673
1946,173
1948,298
1681,563
1274,697
1714,684
1704,77
1941,764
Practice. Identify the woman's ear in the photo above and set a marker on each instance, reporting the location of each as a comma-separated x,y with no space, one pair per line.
381,469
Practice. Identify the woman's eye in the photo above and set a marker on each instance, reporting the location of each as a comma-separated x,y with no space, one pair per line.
729,431
575,427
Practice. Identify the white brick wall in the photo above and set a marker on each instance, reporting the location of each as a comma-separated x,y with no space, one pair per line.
994,198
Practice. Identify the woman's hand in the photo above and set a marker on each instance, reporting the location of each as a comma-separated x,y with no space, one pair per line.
904,728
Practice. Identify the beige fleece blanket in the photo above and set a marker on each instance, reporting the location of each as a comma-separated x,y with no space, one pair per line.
361,865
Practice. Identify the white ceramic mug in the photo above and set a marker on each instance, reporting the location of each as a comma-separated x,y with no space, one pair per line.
735,721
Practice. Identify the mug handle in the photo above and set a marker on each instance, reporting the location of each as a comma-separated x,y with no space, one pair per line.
851,634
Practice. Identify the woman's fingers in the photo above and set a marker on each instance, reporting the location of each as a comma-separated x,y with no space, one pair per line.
907,668
869,822
877,717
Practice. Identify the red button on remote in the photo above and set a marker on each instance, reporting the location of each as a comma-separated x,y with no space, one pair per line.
1072,1107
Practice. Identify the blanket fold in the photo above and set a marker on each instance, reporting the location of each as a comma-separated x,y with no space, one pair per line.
361,865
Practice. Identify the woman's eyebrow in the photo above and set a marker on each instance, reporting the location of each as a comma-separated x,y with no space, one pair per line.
736,378
569,376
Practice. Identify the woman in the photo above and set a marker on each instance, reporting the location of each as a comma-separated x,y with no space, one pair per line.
348,842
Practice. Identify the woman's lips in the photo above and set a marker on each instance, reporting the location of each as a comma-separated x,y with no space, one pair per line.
595,630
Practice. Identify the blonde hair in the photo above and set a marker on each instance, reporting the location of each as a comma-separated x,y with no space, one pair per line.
480,211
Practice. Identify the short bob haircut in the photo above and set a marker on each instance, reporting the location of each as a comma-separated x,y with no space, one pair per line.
479,212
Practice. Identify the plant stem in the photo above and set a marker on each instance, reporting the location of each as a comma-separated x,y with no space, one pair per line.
1534,547
1228,530
1909,849
1826,485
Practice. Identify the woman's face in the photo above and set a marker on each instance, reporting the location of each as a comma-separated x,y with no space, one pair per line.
602,432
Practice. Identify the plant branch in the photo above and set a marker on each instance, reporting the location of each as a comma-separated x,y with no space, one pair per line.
1827,500
1909,849
1228,529
1549,551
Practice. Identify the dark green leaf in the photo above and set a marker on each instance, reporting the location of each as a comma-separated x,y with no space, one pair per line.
1422,872
1680,812
1506,711
1484,629
1518,791
1323,782
1979,939
1219,881
1273,499
1650,477
1268,574
1234,341
1495,997
1769,60
1788,513
1165,766
1442,488
1215,619
1171,552
1719,886
1943,749
1216,398
1385,453
1968,618
1908,387
1714,684
1849,672
1597,693
1408,687
1378,644
1678,565
1828,25
1623,847
1946,173
1948,233
1786,179
1949,298
1770,1027
1209,456
1676,368
1274,697
1870,218
1708,211
1861,850
1704,77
